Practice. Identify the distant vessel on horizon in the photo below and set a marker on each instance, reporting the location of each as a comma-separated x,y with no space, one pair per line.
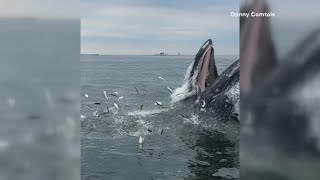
165,54
161,54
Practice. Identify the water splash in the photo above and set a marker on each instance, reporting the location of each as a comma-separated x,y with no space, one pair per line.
145,112
185,91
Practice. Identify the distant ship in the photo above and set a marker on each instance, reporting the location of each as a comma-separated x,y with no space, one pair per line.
161,54
165,54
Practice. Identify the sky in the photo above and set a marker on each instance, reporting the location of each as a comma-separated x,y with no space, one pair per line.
294,20
146,27
171,26
51,9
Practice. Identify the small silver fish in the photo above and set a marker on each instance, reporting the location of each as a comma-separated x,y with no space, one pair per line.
116,105
105,95
158,103
161,78
141,141
115,94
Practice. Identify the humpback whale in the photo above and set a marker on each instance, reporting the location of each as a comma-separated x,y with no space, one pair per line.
280,103
209,91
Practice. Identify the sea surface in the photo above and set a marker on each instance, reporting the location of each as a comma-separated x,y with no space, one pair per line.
118,95
39,99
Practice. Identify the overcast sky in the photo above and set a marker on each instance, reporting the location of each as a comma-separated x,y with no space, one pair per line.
294,20
152,26
62,9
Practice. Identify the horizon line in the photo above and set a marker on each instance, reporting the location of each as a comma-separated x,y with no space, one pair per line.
39,18
95,54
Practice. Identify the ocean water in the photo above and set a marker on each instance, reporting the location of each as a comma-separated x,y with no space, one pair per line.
39,99
179,142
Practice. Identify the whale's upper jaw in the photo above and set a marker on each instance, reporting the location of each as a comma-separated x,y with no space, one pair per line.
257,50
204,70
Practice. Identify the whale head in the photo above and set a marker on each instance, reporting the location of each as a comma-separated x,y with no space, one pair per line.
204,70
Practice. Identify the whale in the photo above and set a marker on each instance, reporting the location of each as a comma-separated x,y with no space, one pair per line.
208,91
280,102
223,95
280,95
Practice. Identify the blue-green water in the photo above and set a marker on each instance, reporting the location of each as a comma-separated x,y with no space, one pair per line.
39,99
179,143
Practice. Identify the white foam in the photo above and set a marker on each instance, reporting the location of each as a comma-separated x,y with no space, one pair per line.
194,119
95,113
141,122
119,120
308,99
184,91
187,74
145,112
233,93
140,132
121,131
227,173
114,110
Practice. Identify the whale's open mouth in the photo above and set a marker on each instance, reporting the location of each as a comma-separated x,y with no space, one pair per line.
256,46
200,74
204,70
